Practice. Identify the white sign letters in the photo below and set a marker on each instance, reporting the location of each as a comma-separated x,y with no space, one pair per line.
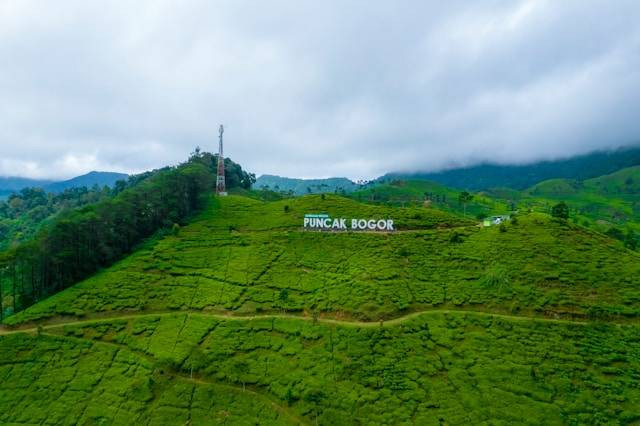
323,222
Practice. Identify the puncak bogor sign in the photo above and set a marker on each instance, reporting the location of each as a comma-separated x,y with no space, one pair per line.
323,222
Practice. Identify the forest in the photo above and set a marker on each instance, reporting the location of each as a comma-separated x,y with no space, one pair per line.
104,226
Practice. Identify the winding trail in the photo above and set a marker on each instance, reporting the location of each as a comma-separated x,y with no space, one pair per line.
57,323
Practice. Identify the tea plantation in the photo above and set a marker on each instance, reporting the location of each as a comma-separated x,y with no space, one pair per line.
242,317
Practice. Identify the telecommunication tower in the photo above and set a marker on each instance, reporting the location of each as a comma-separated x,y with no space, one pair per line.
220,185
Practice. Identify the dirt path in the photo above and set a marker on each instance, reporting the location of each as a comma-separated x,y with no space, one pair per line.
30,328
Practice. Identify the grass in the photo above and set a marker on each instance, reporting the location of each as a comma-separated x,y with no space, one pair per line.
426,193
247,256
457,368
54,380
139,342
600,203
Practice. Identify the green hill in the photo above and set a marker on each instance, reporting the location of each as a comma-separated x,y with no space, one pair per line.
243,317
608,204
431,194
305,186
602,202
623,183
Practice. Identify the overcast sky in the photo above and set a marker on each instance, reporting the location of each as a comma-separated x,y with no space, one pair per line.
313,88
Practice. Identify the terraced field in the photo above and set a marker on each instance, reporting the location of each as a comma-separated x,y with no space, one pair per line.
244,318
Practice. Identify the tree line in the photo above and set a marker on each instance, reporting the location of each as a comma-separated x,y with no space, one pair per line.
81,241
23,212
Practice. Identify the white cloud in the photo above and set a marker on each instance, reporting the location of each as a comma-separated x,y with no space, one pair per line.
313,89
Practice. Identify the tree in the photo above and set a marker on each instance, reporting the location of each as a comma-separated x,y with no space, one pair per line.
78,242
2,269
560,210
455,237
315,397
284,298
241,369
464,198
631,240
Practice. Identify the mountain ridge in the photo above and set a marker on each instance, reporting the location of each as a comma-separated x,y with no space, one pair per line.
11,184
488,175
305,186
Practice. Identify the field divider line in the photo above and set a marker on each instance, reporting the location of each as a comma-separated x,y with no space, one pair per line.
345,323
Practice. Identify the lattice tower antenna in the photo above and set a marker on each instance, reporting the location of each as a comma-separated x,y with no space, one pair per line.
220,185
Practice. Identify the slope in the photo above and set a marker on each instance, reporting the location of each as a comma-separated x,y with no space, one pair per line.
601,202
424,192
241,317
247,256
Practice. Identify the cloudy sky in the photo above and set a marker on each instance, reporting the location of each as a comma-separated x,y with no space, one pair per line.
313,88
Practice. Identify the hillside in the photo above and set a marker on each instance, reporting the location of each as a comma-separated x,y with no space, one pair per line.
426,193
242,317
602,202
305,186
608,204
488,176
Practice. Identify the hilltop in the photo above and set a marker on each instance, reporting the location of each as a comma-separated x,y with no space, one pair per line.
601,202
608,204
305,186
242,316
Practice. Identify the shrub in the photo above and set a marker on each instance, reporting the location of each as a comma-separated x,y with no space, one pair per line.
560,210
495,277
631,240
615,233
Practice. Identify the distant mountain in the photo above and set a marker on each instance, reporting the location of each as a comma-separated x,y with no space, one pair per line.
14,184
88,180
486,176
10,184
305,186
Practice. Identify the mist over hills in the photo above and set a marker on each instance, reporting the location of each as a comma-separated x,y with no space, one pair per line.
486,176
479,177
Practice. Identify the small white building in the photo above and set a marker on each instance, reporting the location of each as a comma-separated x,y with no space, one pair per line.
496,220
